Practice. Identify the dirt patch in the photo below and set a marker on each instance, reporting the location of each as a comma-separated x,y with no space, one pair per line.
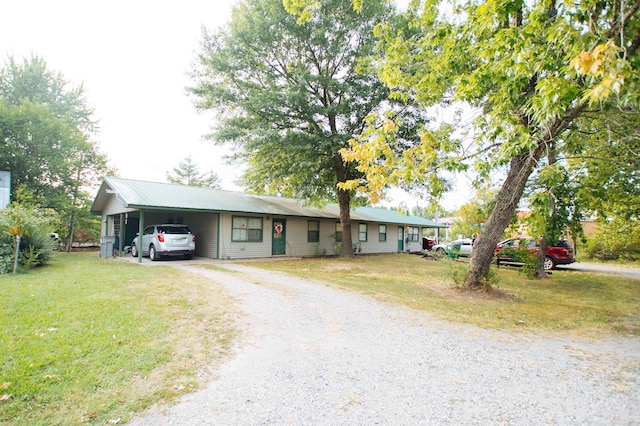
338,267
479,294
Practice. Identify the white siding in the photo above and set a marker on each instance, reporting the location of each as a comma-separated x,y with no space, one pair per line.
243,250
205,228
373,245
114,206
297,244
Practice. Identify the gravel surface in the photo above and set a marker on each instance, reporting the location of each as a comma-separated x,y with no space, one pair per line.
313,355
604,268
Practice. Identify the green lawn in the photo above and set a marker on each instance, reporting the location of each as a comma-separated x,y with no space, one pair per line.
86,340
92,341
586,304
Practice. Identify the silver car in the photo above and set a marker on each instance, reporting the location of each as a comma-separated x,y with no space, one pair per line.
462,247
165,240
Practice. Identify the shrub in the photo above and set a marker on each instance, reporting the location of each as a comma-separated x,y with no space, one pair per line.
616,240
523,255
34,227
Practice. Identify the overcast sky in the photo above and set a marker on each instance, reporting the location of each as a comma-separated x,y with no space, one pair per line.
132,58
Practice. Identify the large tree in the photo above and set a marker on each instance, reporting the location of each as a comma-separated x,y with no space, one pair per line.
45,128
531,70
289,96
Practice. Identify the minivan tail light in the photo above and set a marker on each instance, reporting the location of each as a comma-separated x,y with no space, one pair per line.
193,238
161,238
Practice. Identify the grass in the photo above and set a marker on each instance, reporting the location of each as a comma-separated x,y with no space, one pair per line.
584,304
91,341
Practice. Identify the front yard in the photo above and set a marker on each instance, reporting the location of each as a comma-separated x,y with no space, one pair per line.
86,340
580,303
92,341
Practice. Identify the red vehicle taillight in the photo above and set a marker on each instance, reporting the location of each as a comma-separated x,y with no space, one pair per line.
193,238
161,238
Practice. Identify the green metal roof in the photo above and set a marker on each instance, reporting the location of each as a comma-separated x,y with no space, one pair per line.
136,194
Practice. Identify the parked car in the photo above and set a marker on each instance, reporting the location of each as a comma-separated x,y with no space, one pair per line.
428,243
560,253
165,240
462,246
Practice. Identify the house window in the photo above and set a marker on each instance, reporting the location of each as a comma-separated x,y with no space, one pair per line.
413,234
246,229
313,231
362,232
338,232
382,233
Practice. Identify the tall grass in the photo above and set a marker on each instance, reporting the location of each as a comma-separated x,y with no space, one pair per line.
86,340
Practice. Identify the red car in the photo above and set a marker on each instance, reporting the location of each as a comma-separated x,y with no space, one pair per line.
560,254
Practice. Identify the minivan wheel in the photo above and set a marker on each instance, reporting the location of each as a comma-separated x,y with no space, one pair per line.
549,263
134,251
152,253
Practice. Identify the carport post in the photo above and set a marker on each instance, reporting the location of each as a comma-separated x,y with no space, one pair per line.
140,229
121,236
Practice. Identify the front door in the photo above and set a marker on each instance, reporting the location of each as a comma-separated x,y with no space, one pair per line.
279,241
400,238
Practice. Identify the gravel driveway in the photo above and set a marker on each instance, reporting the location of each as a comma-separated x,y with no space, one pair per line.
313,355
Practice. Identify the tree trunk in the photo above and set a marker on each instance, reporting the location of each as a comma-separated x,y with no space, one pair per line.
70,231
344,202
507,201
541,254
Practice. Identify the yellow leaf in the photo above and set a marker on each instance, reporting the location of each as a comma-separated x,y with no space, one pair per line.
389,126
5,385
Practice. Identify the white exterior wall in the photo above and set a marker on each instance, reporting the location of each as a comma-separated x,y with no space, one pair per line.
243,250
205,226
114,206
297,244
373,245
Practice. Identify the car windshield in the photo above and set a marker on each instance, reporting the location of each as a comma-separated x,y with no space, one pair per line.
174,230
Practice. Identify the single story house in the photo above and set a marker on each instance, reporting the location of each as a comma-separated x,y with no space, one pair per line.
234,225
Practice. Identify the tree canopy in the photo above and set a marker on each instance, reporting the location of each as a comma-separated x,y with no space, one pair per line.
532,71
46,128
289,96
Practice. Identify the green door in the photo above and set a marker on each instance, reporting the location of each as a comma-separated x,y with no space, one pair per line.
400,238
279,234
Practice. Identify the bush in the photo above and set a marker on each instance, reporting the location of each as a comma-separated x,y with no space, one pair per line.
34,227
616,240
523,255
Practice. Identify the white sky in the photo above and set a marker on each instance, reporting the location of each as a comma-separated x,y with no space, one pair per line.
132,58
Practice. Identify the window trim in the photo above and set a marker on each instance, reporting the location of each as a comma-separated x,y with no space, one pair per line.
413,236
316,238
366,232
248,240
382,236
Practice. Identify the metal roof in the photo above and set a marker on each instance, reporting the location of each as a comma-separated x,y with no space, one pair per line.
136,194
